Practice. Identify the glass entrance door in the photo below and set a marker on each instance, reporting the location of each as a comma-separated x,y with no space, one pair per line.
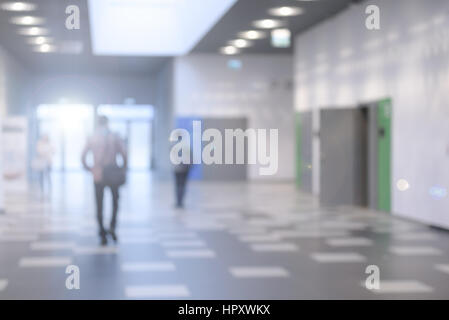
68,127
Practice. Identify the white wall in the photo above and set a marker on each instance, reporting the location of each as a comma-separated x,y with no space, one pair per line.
341,63
92,89
14,85
261,91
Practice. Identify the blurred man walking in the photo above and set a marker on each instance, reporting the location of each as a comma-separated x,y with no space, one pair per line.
105,146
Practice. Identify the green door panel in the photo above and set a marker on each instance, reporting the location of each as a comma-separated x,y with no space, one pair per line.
384,115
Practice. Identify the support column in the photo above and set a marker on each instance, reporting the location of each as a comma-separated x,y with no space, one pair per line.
2,196
2,115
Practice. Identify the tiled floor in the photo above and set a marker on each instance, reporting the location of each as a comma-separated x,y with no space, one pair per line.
233,241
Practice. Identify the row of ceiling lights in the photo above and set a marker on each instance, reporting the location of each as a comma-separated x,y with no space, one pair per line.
279,34
32,26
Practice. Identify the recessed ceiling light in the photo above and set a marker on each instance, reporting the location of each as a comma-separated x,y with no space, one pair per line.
33,31
229,50
45,48
27,20
268,23
252,35
18,6
39,40
286,11
241,43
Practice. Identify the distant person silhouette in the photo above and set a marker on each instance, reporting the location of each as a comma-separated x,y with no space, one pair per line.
42,162
105,146
181,177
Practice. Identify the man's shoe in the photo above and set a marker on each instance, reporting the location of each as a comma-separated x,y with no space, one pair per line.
113,235
104,240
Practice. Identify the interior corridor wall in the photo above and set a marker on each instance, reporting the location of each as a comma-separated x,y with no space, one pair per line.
340,63
93,89
257,87
2,115
15,85
14,93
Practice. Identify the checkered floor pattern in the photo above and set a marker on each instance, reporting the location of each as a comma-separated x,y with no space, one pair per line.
233,241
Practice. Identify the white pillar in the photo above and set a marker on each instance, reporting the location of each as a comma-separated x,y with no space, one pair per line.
2,196
2,115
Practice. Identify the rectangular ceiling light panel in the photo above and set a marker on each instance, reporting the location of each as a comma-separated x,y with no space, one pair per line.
152,27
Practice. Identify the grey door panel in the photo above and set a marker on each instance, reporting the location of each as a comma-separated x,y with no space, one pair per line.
225,172
343,152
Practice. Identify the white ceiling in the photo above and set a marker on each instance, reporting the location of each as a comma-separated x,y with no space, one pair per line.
152,27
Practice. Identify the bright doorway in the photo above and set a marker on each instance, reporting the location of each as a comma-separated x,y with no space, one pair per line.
69,126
